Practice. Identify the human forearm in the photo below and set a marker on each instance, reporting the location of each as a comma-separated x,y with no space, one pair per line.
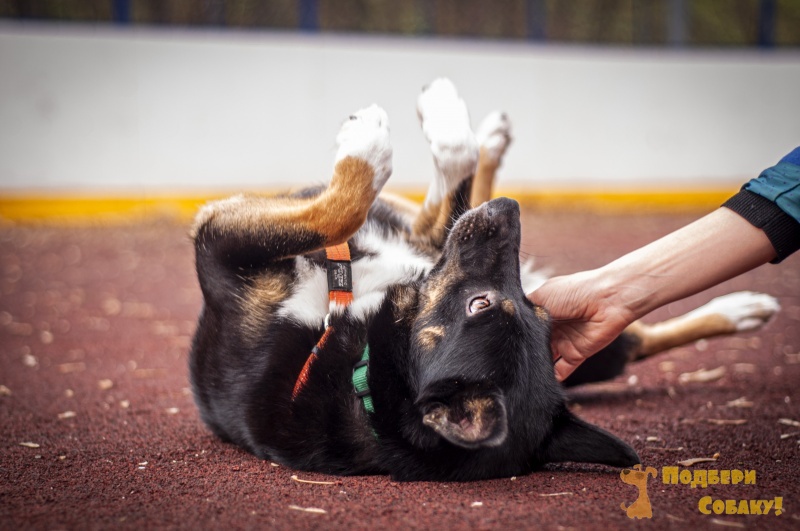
713,249
758,225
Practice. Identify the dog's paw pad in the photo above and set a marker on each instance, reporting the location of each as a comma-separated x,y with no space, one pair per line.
445,122
745,310
494,135
365,135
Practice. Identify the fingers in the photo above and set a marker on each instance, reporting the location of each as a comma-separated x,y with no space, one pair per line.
538,297
559,343
567,357
564,368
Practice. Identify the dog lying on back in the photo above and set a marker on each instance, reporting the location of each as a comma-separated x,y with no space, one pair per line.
413,350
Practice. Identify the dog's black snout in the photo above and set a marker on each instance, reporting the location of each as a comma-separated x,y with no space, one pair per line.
503,205
501,214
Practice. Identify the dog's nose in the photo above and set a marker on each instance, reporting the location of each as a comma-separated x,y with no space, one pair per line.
502,206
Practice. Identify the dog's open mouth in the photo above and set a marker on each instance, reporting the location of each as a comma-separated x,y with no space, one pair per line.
469,421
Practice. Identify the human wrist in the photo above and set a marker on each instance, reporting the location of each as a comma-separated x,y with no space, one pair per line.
625,291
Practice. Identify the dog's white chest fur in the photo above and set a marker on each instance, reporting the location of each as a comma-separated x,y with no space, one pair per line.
388,261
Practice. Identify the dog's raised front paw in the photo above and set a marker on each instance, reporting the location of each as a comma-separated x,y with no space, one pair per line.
744,310
365,135
494,135
445,122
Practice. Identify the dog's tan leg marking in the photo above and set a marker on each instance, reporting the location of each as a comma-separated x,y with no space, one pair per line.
339,211
436,219
494,137
675,332
335,214
285,227
445,123
483,183
728,314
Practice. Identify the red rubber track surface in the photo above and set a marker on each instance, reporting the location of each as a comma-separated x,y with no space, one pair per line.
95,326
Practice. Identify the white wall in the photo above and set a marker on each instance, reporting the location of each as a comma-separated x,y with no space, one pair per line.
103,108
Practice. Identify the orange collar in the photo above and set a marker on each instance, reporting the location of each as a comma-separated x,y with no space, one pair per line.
340,291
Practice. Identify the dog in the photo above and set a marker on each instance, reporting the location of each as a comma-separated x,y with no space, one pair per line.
641,508
349,331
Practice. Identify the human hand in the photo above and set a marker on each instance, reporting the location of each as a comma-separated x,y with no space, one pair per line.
584,318
590,309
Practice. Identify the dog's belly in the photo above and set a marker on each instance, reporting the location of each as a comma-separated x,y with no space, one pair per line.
387,260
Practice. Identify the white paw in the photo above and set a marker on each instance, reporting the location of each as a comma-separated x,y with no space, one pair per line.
445,123
365,135
494,135
745,310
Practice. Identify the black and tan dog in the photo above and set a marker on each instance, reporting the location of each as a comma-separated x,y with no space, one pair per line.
431,363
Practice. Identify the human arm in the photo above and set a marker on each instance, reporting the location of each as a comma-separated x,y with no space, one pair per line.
759,224
591,308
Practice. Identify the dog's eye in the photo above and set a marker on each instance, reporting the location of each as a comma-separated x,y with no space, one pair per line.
479,303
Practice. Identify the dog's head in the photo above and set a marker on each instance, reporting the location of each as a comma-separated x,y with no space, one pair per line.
481,361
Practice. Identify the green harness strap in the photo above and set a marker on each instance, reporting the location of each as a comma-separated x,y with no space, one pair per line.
360,371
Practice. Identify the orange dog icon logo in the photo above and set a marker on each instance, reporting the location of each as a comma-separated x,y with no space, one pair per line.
638,478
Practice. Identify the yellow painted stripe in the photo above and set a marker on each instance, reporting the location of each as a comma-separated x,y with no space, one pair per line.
627,201
182,207
81,210
611,201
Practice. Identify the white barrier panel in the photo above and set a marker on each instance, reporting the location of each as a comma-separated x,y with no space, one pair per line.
85,107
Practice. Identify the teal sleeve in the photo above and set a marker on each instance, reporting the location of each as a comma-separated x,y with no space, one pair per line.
781,184
772,203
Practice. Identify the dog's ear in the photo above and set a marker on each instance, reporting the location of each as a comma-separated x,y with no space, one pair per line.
578,441
470,421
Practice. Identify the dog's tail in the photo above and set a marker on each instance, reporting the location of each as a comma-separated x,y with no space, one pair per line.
622,506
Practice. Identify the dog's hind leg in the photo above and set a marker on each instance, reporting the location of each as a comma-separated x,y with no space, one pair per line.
736,312
445,123
246,232
494,137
